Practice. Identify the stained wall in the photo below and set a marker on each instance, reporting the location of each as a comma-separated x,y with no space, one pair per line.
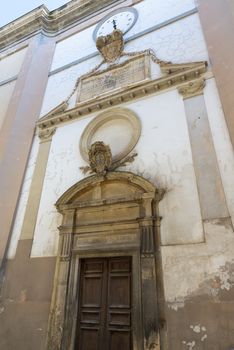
197,246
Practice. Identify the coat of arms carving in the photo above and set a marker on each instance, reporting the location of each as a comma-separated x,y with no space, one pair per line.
111,46
100,159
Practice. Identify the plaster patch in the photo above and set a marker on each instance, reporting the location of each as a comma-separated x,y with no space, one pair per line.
176,305
190,345
23,296
2,310
204,337
225,282
200,336
196,329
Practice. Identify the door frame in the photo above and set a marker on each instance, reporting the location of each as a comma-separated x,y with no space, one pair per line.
95,226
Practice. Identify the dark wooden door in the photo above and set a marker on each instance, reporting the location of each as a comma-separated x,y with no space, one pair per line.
104,318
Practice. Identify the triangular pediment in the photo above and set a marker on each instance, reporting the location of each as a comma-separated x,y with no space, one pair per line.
55,111
171,68
172,75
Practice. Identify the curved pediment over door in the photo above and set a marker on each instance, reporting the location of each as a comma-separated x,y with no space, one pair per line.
114,185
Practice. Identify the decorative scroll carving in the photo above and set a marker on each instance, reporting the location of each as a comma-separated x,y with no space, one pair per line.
193,88
46,134
100,159
111,46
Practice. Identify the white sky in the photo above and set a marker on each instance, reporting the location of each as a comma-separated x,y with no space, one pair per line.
12,9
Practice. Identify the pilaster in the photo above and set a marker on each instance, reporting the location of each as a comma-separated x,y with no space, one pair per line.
210,188
31,212
18,129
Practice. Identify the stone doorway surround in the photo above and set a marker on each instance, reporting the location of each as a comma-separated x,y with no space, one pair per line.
108,216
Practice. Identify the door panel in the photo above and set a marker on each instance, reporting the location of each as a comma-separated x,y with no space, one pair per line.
104,319
119,340
119,304
91,312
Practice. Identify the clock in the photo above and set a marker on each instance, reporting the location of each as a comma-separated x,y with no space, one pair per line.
122,19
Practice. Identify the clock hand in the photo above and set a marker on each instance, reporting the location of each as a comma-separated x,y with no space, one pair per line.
114,24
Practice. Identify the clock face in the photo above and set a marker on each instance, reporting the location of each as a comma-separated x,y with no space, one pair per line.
122,19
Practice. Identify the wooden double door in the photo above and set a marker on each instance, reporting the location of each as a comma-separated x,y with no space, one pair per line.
104,316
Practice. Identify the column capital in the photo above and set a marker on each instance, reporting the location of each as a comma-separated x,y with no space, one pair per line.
192,88
46,134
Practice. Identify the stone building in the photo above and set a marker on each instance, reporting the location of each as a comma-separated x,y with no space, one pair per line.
116,177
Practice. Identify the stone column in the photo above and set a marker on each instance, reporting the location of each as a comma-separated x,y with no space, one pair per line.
210,188
150,312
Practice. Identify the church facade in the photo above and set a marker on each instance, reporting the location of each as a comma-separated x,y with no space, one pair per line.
116,177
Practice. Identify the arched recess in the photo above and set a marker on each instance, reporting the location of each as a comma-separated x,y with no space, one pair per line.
115,215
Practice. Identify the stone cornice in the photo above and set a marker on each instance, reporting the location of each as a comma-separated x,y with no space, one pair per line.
50,23
186,73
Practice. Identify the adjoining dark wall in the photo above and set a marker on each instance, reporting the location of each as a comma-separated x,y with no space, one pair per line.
25,300
218,25
202,323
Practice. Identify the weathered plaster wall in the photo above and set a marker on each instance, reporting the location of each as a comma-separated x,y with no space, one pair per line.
151,13
167,162
154,12
199,278
197,256
10,65
199,290
9,68
179,42
164,157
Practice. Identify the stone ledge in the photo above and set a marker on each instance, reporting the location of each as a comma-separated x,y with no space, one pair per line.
50,23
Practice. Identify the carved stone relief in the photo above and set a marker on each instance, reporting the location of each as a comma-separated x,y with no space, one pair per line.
100,159
111,46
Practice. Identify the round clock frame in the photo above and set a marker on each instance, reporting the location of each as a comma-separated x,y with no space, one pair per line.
125,18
